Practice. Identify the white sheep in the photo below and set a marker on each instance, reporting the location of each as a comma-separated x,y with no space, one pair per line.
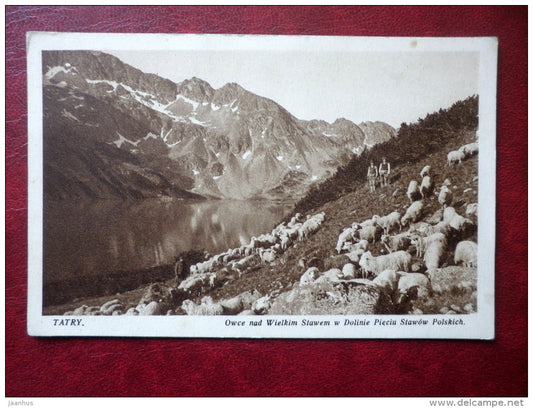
445,196
470,149
292,231
442,227
264,241
267,255
398,261
456,221
279,229
434,251
285,241
413,213
408,282
422,243
295,220
346,235
356,250
426,187
426,171
310,225
412,191
397,242
420,228
389,222
361,245
243,263
367,223
448,214
203,267
387,281
455,157
466,254
471,209
370,233
197,282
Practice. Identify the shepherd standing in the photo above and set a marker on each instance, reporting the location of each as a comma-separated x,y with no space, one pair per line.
384,171
372,175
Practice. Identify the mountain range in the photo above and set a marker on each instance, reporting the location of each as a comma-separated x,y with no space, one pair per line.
113,131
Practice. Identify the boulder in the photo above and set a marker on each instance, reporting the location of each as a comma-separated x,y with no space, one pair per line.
157,292
247,312
309,276
206,307
332,275
150,309
261,305
329,297
109,307
80,311
132,312
232,306
348,271
249,297
454,278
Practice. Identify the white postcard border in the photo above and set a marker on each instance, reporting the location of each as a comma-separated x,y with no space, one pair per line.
478,325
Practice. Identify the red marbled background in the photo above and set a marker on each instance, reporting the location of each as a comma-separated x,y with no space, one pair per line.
210,367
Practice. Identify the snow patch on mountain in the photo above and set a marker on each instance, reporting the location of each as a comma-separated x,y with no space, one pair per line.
67,69
197,122
114,84
65,113
150,135
121,140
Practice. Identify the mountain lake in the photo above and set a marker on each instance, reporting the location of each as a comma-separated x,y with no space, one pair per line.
91,239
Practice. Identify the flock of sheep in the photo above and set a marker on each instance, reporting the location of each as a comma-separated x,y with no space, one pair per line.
417,246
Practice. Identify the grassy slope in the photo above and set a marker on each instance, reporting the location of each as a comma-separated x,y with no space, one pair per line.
346,199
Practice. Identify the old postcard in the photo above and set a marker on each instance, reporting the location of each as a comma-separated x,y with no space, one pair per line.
261,186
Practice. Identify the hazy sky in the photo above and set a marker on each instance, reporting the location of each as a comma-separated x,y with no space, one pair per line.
393,87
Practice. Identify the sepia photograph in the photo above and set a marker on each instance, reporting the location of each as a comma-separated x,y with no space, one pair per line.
261,186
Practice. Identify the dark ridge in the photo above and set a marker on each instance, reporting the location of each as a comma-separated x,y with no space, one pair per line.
414,142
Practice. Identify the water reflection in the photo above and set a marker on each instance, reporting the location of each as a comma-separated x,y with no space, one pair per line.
99,237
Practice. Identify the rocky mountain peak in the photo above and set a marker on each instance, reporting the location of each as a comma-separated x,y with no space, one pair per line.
228,94
377,132
196,89
226,142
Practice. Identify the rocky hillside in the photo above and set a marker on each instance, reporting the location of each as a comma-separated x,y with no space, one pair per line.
324,261
111,130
